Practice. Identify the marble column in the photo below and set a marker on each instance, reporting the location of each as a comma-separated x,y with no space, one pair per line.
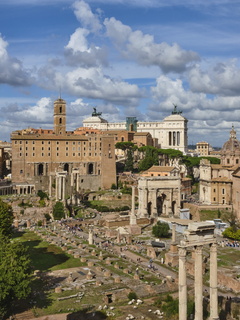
50,186
133,220
154,202
213,282
173,232
182,284
64,187
133,199
56,187
198,286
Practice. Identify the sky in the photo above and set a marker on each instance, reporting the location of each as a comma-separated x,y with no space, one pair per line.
126,58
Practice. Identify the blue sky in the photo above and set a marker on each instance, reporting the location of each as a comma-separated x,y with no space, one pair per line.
127,58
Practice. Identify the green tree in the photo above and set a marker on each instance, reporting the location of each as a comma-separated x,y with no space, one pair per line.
6,219
15,273
150,158
161,229
129,161
58,210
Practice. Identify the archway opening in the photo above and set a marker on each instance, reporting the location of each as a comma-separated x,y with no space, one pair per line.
160,204
90,168
40,169
66,167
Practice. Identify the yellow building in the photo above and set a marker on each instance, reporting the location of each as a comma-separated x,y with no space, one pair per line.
62,162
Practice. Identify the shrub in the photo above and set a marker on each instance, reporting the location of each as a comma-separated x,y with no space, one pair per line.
42,195
161,229
132,295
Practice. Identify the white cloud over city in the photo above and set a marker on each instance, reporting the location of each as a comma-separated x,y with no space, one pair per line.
84,66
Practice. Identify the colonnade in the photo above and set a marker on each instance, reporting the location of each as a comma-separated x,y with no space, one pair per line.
198,281
174,138
60,185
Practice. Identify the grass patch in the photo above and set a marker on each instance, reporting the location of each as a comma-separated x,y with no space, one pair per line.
45,256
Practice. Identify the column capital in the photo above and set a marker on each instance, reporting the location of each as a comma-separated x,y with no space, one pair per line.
182,252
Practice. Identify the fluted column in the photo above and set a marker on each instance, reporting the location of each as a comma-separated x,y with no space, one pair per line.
198,286
182,284
213,282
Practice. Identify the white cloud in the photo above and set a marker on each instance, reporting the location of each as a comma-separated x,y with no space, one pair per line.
141,47
78,52
92,83
88,19
11,69
222,79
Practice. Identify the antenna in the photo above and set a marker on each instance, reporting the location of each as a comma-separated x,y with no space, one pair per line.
60,92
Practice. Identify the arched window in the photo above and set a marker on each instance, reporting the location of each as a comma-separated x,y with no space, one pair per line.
40,169
90,168
66,167
60,120
60,109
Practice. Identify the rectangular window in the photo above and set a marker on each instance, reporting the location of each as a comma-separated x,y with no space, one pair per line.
26,154
66,154
223,191
42,154
42,142
49,154
33,154
26,142
57,154
73,154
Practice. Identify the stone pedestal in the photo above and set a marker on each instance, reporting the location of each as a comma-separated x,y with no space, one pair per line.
107,273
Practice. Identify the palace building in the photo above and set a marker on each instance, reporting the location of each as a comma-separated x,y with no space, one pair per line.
171,133
62,162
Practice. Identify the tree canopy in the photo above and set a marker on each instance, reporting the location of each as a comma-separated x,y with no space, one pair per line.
161,229
58,210
6,219
15,265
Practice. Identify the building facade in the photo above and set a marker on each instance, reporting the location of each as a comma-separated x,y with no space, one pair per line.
62,162
171,133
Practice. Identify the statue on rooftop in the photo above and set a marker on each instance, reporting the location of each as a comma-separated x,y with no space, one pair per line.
175,111
95,113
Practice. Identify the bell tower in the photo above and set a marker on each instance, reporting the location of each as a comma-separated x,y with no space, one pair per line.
59,116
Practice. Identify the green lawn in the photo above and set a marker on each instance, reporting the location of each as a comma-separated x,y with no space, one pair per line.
46,256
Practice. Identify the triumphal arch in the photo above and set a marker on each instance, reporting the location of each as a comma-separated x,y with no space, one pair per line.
159,196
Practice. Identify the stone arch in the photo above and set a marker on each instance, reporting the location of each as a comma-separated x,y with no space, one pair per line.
90,168
66,167
149,208
160,204
173,207
40,169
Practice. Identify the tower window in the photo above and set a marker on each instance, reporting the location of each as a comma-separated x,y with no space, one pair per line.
60,110
60,120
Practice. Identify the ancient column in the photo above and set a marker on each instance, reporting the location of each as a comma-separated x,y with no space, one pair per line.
132,215
64,187
182,284
173,232
154,202
213,282
90,237
198,286
133,199
50,186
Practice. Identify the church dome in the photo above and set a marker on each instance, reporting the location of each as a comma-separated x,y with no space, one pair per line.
232,144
